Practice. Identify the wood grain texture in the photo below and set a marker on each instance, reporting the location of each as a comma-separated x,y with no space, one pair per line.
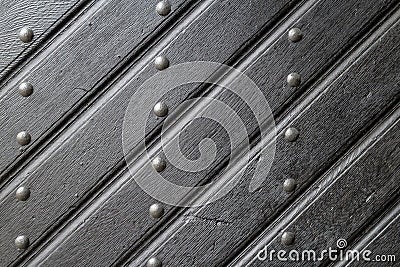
73,173
94,149
40,16
359,194
98,227
65,79
384,244
327,128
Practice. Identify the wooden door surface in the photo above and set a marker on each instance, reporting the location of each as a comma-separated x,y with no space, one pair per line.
300,156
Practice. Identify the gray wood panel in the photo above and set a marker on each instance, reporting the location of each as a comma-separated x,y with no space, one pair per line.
338,118
384,246
129,194
358,196
87,158
40,16
69,77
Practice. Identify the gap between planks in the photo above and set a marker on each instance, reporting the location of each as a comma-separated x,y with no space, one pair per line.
311,196
48,36
310,99
85,116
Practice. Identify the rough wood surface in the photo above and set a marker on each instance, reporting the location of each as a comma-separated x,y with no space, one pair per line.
384,242
65,75
40,16
130,228
76,171
351,202
216,231
86,209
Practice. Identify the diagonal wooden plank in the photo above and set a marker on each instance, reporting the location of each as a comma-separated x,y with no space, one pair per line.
357,192
83,180
382,241
40,16
204,230
101,219
64,77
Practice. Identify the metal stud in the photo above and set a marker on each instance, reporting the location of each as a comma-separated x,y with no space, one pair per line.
154,262
163,8
160,109
23,138
289,185
159,164
291,134
22,193
287,238
293,79
25,89
156,211
22,242
25,35
295,35
161,62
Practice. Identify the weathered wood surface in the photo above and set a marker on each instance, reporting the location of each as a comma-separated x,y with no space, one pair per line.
43,17
81,174
351,200
85,209
382,241
215,232
127,194
70,75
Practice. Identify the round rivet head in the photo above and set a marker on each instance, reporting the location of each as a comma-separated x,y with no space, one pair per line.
159,164
287,238
154,262
160,109
22,242
22,193
25,89
291,134
25,35
295,35
161,62
163,8
23,138
289,185
156,211
294,79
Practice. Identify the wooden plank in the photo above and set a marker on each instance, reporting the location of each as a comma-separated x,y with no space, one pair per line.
216,232
62,86
40,16
353,199
382,241
99,229
76,171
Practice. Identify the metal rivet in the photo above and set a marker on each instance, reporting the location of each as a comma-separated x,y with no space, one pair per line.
287,238
22,242
289,185
163,8
154,262
25,89
293,79
160,109
156,211
22,193
159,164
23,138
291,134
25,35
295,35
161,62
